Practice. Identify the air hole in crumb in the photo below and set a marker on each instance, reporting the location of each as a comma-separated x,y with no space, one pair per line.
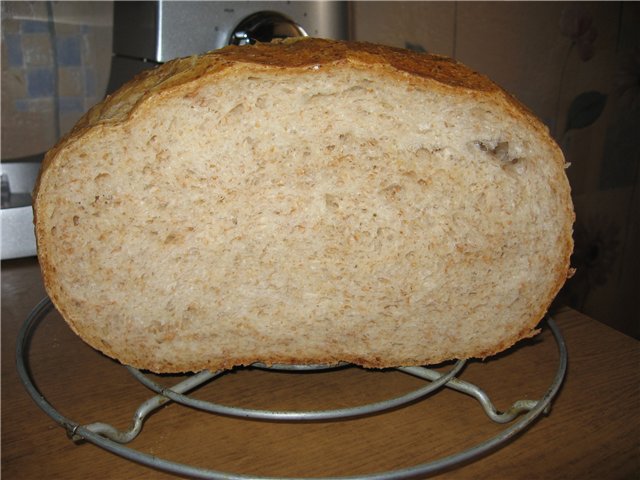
321,96
237,110
331,201
512,161
171,238
498,150
101,177
76,220
515,165
392,189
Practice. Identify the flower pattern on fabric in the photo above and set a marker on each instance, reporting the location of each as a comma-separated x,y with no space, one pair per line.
577,24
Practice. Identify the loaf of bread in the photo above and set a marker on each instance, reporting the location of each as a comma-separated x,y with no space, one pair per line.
304,202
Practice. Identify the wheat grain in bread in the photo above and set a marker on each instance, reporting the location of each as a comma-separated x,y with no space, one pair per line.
302,202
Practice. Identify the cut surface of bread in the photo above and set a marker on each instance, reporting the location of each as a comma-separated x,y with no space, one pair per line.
307,202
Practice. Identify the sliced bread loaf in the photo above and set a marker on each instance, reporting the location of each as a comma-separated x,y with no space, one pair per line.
305,201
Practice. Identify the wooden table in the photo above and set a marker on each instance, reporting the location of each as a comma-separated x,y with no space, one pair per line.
592,431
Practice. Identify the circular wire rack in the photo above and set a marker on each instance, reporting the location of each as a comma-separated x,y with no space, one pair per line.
113,440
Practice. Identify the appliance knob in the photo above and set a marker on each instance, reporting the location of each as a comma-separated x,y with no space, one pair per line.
264,27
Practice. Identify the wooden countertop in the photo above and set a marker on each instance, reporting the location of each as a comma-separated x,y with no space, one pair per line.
592,431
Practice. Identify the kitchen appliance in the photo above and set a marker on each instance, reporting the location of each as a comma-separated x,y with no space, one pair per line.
16,215
146,34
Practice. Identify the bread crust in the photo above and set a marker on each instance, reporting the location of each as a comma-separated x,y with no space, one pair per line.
187,75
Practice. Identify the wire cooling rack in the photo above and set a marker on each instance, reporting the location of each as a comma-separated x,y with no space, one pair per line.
113,440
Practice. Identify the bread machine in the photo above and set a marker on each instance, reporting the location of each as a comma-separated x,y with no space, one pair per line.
146,34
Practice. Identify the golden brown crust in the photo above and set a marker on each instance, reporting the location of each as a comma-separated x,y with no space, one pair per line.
414,69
